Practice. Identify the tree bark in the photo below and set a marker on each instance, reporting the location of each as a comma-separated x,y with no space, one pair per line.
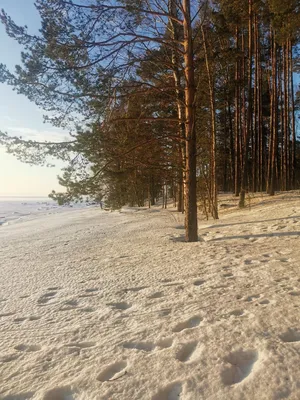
213,183
249,111
191,223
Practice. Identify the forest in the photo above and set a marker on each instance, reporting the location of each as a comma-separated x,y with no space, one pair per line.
177,99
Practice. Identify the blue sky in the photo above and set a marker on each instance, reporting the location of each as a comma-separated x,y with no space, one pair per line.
20,117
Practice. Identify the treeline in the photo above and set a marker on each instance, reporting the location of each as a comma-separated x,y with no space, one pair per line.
174,98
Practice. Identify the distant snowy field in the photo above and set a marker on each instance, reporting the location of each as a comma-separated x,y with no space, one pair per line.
20,209
115,306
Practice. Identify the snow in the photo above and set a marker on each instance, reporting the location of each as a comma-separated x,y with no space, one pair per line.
114,305
19,209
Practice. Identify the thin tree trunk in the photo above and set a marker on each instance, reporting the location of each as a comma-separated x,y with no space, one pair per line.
293,161
213,183
177,74
237,119
191,223
249,112
274,122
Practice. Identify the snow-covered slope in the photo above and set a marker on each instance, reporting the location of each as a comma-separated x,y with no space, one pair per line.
115,306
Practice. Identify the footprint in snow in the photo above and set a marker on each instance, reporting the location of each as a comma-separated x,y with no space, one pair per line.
188,324
173,284
264,302
82,345
290,336
295,293
28,348
240,365
59,393
171,392
46,298
284,278
92,290
165,343
228,275
237,313
187,352
253,297
120,306
198,282
134,289
87,309
113,371
9,358
156,295
34,318
19,396
7,314
164,312
141,346
20,319
69,305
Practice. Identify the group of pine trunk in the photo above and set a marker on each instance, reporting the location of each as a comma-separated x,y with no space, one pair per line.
263,134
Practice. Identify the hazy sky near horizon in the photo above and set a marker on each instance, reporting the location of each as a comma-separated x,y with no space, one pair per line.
20,117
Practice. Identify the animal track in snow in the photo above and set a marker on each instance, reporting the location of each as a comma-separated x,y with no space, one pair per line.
265,301
241,365
186,352
166,280
237,313
28,348
69,305
9,358
82,345
144,346
295,293
171,392
87,309
290,336
8,314
165,343
190,323
46,298
156,295
173,284
198,282
135,289
228,275
284,278
92,290
19,396
164,312
113,371
59,393
20,319
253,297
120,306
54,289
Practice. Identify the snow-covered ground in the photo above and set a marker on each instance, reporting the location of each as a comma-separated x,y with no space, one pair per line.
19,209
98,305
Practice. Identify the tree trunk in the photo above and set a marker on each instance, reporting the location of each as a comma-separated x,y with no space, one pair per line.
177,75
191,223
249,112
237,119
293,158
213,183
